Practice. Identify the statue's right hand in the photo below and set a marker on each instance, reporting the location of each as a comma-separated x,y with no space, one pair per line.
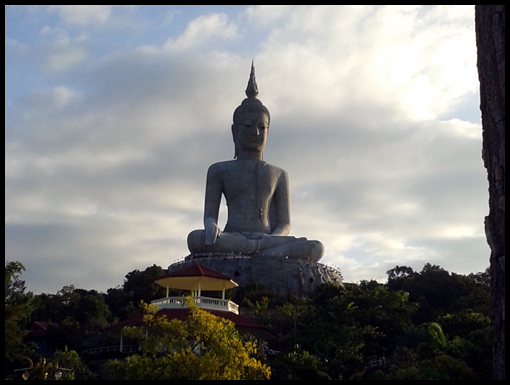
212,232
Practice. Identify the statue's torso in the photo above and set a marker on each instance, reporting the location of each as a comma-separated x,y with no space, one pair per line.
249,187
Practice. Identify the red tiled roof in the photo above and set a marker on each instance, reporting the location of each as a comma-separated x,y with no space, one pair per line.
38,329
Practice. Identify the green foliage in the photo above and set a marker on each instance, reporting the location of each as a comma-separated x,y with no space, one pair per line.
298,364
14,287
140,286
440,367
203,347
346,327
77,317
247,297
392,331
17,309
123,302
436,334
429,287
470,339
428,324
119,304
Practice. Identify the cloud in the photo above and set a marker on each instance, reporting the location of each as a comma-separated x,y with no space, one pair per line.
61,51
86,14
413,58
106,160
202,31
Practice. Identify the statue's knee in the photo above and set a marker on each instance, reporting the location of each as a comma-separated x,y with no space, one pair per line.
196,241
318,250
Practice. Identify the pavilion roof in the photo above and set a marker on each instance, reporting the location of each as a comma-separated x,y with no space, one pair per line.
187,278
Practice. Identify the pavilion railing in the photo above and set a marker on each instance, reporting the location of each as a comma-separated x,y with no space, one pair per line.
206,303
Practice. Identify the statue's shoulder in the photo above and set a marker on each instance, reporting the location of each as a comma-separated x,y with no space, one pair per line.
233,166
221,170
275,169
222,166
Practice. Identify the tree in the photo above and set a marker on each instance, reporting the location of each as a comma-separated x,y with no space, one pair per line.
140,285
123,301
203,347
400,272
119,304
17,309
14,286
77,317
429,286
490,41
469,339
344,328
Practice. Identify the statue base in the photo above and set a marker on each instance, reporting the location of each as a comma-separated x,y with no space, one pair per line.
289,275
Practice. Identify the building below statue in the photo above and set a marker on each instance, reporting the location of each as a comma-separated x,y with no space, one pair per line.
293,276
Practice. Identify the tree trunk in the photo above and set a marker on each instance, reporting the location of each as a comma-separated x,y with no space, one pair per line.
490,41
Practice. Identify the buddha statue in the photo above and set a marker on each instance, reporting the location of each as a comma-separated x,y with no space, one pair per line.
256,192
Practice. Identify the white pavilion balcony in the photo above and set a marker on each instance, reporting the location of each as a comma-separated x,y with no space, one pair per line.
206,303
195,278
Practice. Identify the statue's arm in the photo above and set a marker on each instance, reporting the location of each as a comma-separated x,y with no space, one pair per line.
282,202
213,192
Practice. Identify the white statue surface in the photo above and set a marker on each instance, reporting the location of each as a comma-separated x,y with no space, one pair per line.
256,192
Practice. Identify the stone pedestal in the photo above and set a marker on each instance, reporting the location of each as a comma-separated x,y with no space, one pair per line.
293,276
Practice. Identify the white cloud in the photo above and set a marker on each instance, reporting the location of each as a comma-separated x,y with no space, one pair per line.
61,51
416,61
202,31
85,14
264,15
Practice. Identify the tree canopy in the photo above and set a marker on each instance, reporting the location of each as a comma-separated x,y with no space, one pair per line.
17,309
203,347
428,324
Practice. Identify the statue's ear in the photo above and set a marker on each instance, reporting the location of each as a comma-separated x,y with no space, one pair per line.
234,134
234,137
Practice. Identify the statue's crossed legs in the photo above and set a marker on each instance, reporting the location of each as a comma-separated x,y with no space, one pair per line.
257,244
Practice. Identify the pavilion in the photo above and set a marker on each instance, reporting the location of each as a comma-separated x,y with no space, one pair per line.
196,279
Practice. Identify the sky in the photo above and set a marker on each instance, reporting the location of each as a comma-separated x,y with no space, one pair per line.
113,114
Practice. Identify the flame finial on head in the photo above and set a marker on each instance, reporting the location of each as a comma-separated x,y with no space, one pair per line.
251,90
251,103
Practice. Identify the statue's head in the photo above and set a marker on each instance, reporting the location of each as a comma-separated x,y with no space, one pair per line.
251,112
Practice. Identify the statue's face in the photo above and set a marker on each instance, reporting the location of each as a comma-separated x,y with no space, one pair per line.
251,131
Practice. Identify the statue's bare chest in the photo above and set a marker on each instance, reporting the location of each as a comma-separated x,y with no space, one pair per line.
247,182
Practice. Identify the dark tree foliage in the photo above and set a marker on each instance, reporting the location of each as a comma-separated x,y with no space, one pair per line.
428,324
248,296
438,292
140,286
14,286
119,304
76,317
348,329
17,309
422,325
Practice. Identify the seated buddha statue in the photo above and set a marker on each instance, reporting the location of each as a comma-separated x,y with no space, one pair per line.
256,193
